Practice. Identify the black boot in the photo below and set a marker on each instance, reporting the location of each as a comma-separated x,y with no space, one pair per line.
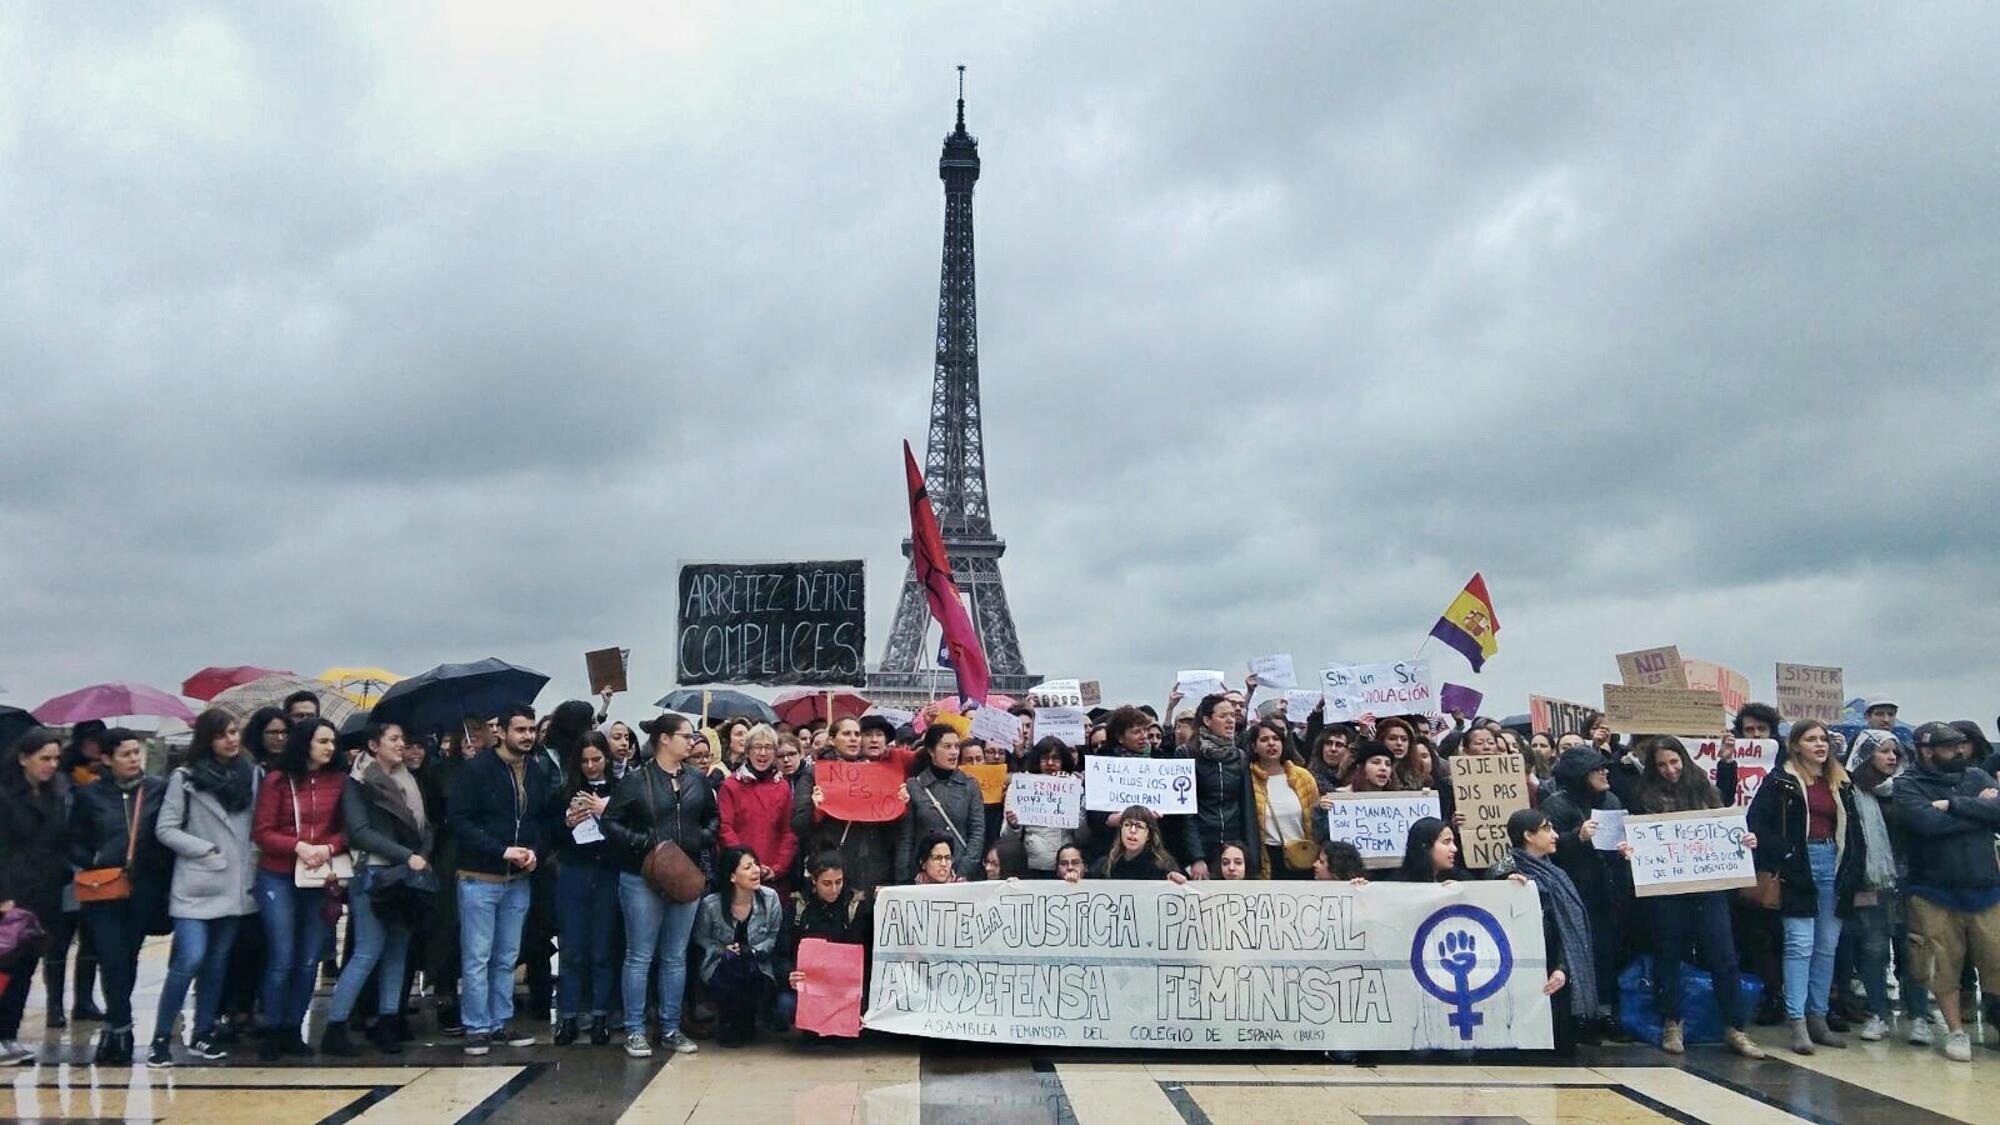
52,983
384,1036
107,1048
403,1032
336,1043
86,986
566,1031
270,1045
600,1030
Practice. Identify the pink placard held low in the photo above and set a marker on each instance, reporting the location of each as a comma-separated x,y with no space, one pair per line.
830,995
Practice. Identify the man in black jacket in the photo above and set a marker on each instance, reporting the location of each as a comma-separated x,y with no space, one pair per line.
501,803
1947,810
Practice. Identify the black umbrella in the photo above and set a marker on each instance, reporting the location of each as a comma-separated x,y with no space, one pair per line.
441,698
722,704
14,723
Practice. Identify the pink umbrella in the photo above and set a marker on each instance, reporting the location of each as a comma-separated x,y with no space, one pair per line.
105,701
211,682
805,705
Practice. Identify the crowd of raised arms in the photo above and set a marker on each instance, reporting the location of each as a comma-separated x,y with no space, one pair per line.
462,855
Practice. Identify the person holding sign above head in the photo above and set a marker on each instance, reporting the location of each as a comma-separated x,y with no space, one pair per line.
1224,804
586,894
1430,854
1804,812
663,801
944,801
1139,853
1671,782
1283,794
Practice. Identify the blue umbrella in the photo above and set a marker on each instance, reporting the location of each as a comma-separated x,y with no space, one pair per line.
441,698
722,704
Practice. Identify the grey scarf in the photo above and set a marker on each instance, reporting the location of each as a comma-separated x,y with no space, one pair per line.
1572,928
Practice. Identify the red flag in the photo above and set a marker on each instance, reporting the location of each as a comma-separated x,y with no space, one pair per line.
933,569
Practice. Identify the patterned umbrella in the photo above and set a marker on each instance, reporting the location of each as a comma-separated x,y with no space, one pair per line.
111,701
805,705
363,685
210,682
270,691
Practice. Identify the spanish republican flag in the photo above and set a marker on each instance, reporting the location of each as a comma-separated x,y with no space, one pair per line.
1468,624
933,571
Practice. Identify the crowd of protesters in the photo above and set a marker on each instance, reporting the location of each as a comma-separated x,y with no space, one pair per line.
677,867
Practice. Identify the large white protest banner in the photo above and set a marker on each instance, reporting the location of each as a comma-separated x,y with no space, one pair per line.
1755,759
1378,824
1305,966
1112,784
1066,723
1354,690
1683,853
1045,800
1275,671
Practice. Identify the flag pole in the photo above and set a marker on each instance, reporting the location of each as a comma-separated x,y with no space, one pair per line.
1421,648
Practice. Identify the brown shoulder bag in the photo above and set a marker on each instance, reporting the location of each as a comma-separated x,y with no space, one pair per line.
113,884
666,868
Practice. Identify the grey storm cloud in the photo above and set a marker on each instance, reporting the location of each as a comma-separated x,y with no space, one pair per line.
399,335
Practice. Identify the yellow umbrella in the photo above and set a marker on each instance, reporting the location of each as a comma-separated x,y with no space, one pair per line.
362,685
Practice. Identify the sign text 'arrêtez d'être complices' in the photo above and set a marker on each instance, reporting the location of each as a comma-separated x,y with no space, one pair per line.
771,623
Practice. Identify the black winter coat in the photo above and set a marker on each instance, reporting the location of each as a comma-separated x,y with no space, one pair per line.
1602,878
34,850
1778,818
1225,806
100,814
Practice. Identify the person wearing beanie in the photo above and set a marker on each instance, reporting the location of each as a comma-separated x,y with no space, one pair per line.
1580,786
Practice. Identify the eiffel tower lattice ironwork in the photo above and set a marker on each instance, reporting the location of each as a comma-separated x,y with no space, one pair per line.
955,469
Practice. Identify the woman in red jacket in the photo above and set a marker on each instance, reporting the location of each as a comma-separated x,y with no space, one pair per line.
756,809
297,821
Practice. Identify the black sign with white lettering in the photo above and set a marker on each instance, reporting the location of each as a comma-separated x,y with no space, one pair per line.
771,623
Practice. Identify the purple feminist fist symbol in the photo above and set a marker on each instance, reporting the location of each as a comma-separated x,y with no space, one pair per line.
1458,954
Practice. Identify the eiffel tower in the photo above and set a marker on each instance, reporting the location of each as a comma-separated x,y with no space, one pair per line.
955,471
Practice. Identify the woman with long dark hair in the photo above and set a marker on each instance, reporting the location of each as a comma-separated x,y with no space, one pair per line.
737,931
1430,853
298,822
113,832
1670,781
34,862
82,765
205,818
1139,852
1805,809
1284,796
586,896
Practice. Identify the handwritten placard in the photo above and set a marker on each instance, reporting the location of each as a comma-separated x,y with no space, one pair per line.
1487,788
1557,717
1378,824
992,781
1046,800
1755,759
1057,693
771,623
1164,785
898,717
996,727
1811,691
1066,723
1684,853
1663,710
1653,667
1734,685
1354,690
1299,704
1610,829
1275,671
1195,684
862,790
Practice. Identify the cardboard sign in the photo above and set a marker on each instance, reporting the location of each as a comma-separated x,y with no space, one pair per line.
1057,693
1092,693
1734,685
830,996
1259,966
1632,710
1066,723
1112,784
992,781
605,668
1463,700
1755,759
1487,788
1684,853
1198,683
1354,690
1809,691
1378,824
1299,704
996,727
1610,829
1653,667
1046,800
1275,671
1558,717
862,791
771,623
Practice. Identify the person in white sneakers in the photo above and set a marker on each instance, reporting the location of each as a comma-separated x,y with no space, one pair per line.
1948,810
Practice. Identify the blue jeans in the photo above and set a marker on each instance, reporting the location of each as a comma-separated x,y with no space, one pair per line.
586,918
294,934
490,917
374,941
200,954
1810,942
655,929
1695,924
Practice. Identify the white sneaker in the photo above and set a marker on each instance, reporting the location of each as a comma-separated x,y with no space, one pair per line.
1958,1047
1920,1032
1875,1029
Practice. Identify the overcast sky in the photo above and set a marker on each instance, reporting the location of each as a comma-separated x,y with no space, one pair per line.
403,334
